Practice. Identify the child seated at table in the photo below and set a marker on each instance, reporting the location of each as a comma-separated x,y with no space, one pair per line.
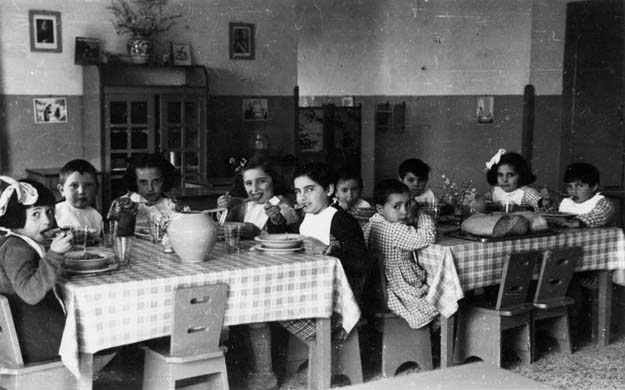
347,196
78,185
591,209
266,207
510,175
393,234
28,274
148,178
414,173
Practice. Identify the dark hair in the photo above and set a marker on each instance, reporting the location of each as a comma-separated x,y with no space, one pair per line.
346,174
584,172
258,161
518,163
78,165
320,173
168,171
386,188
15,215
416,167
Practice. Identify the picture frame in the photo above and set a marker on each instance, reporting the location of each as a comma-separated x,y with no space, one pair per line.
255,109
86,51
45,31
347,101
181,53
485,109
50,110
242,44
309,137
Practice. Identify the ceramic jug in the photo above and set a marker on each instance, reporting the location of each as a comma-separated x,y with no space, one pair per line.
192,235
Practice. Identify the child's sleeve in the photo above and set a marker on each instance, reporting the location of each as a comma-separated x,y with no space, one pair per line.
31,278
601,215
407,237
531,197
351,249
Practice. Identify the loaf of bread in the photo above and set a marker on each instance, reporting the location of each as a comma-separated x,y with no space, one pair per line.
537,222
496,225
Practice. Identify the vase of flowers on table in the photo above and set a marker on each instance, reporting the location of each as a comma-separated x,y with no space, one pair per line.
140,21
463,198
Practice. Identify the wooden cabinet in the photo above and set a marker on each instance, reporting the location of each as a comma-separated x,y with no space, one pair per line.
135,109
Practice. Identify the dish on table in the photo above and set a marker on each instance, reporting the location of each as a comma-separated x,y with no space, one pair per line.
95,258
143,234
263,248
280,241
109,267
556,215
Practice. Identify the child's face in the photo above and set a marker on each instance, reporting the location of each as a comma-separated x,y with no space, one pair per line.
312,195
79,190
38,219
507,178
396,207
258,185
347,192
150,183
580,192
415,184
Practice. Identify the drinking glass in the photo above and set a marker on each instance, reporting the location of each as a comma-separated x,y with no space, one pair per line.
432,209
122,250
232,236
108,232
156,233
79,237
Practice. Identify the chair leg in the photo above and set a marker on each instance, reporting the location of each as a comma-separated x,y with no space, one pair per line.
402,344
560,331
297,355
478,335
523,343
157,376
346,358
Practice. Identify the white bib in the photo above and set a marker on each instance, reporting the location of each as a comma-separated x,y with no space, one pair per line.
255,212
514,197
318,225
568,206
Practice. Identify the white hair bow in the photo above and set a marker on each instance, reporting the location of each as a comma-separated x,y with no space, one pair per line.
26,193
495,159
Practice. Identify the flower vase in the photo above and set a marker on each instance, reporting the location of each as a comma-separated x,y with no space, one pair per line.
139,49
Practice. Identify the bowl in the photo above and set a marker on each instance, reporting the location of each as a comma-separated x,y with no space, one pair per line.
280,241
95,258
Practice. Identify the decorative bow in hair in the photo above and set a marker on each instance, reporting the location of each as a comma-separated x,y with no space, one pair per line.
237,164
26,193
495,159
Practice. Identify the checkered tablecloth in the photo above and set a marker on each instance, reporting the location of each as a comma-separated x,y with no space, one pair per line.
135,304
454,265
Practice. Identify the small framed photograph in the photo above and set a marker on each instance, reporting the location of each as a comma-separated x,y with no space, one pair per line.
87,51
485,111
45,31
181,53
241,41
347,101
50,110
255,110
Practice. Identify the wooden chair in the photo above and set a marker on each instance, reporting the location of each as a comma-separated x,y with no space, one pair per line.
14,374
194,346
550,300
482,322
400,343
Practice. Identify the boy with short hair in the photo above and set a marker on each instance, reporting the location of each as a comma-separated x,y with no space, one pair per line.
415,173
78,184
393,240
591,209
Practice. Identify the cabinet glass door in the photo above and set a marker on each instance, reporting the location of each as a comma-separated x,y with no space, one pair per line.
182,135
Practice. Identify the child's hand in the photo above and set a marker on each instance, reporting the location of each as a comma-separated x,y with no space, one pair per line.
62,243
224,201
314,246
274,214
249,230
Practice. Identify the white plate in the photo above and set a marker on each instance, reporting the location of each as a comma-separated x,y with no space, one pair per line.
280,241
109,267
277,250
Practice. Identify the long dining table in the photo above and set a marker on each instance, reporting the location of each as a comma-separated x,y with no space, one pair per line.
134,304
456,265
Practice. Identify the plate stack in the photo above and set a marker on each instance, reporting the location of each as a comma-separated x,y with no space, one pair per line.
280,243
94,260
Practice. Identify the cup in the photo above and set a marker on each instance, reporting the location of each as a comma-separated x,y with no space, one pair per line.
121,248
232,236
79,237
432,209
108,232
156,232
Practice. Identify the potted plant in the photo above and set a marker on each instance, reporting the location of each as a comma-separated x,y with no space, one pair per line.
141,21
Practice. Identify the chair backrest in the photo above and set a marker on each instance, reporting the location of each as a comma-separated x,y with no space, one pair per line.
198,319
9,346
518,269
556,272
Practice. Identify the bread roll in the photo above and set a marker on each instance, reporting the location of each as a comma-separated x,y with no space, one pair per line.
495,225
537,222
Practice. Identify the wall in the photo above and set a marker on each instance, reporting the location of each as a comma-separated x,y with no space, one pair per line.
437,56
25,74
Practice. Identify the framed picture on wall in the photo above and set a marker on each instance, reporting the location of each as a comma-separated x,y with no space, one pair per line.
241,41
310,130
87,51
255,109
181,53
50,110
45,31
485,110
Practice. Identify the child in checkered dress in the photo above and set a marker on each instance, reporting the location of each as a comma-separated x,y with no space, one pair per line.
393,235
591,209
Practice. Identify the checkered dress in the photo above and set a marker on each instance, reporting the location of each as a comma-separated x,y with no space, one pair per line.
531,197
601,215
394,243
